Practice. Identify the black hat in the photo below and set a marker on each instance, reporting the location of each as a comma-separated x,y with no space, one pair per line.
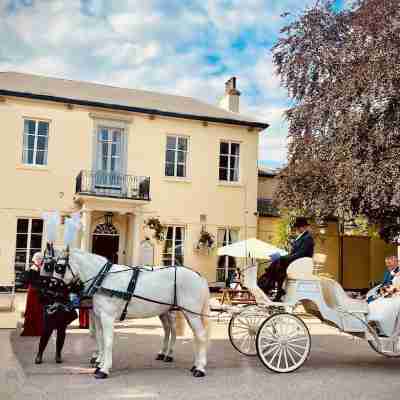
300,222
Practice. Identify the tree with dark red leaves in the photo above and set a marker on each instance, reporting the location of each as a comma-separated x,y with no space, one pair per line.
342,73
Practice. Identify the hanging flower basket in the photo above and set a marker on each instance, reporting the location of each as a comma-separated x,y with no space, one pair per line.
206,241
159,230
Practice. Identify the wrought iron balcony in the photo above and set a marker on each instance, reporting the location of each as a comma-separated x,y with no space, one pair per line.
107,184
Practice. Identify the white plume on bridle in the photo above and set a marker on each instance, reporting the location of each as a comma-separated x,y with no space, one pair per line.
52,221
71,228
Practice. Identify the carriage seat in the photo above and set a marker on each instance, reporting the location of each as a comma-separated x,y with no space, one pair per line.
335,297
301,268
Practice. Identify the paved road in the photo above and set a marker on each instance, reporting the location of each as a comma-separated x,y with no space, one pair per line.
338,368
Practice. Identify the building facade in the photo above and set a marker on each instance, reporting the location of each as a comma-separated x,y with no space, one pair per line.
122,157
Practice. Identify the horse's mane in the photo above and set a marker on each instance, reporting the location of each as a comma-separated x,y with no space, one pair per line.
96,257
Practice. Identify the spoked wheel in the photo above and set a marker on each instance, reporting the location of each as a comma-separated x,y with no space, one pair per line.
243,330
283,343
393,352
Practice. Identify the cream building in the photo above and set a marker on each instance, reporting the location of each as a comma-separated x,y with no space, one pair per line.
120,157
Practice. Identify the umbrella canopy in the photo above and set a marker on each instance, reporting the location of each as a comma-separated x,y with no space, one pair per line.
252,248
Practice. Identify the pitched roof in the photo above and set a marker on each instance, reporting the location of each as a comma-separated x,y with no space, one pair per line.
97,95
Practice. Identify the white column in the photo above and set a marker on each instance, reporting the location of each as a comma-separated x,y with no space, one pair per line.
86,229
137,224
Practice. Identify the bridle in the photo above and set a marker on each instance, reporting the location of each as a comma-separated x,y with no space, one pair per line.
59,265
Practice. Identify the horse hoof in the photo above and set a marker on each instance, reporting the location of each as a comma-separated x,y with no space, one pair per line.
38,359
168,359
198,374
160,357
193,369
100,375
93,361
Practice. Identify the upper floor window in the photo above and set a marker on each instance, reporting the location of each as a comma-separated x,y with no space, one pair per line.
176,156
229,153
35,143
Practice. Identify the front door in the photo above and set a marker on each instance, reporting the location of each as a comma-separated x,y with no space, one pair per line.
105,242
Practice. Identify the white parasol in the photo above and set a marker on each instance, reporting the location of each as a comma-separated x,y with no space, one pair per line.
251,248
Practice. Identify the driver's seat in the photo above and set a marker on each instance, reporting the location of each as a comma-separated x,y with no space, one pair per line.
302,268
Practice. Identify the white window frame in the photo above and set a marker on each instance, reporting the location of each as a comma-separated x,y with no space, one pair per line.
35,150
227,230
172,255
109,143
176,151
28,243
230,156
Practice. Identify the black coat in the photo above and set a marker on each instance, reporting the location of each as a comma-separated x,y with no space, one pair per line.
302,247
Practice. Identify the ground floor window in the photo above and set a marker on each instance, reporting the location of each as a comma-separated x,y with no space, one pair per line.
173,249
28,242
226,264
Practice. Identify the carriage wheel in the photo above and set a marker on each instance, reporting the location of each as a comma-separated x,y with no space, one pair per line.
283,343
391,354
243,330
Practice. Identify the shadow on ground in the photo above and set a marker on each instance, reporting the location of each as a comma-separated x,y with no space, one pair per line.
133,351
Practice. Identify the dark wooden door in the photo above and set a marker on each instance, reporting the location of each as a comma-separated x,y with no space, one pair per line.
106,246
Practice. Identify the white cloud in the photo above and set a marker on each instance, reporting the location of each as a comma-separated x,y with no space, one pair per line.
159,46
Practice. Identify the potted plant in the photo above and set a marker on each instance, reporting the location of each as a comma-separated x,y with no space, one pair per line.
158,228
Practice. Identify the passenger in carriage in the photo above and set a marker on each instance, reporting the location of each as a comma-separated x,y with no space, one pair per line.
384,301
386,287
275,275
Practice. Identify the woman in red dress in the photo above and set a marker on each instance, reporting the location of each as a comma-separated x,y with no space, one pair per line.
33,324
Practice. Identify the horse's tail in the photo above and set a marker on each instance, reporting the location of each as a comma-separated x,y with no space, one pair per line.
205,313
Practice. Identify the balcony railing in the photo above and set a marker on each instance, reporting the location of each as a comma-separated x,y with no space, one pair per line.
108,184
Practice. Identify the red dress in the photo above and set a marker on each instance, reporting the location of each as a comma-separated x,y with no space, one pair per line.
33,324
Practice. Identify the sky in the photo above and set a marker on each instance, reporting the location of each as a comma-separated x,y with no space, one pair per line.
183,47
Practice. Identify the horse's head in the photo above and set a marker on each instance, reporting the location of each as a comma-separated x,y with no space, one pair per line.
82,267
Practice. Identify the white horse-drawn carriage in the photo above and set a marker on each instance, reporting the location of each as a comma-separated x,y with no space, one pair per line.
270,330
281,339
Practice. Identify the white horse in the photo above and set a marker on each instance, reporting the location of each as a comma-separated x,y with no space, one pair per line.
158,286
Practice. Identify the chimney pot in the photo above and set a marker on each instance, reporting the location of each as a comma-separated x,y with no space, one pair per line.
230,101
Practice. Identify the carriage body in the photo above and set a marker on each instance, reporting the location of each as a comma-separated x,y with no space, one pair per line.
274,332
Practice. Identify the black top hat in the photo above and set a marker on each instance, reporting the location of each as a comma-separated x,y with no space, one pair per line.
301,222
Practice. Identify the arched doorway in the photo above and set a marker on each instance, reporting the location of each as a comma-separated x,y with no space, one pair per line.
105,241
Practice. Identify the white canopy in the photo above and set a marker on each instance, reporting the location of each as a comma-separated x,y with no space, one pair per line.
252,248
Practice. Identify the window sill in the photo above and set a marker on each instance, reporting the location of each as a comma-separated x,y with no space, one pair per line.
177,179
28,167
230,184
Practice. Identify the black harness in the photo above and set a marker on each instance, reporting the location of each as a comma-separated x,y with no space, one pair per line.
97,281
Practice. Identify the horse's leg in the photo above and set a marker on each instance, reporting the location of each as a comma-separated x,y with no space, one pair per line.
200,339
99,340
107,323
172,325
165,324
195,343
93,334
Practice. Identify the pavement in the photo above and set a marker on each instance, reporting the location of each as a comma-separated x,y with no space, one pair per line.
339,367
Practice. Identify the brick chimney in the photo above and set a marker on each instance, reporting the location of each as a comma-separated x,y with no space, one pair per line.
230,101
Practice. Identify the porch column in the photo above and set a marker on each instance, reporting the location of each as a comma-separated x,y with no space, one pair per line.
137,224
86,229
